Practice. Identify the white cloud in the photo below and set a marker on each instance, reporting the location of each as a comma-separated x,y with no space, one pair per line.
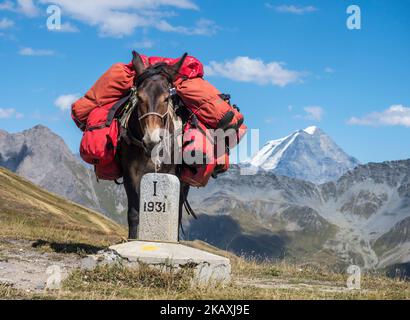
65,101
203,27
329,70
396,115
121,17
66,27
27,7
314,113
6,5
144,44
6,23
10,113
292,8
35,52
246,69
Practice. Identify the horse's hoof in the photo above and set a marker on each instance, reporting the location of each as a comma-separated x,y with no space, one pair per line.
132,236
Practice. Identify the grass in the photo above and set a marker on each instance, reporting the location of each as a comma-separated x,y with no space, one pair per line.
56,225
251,280
290,282
28,212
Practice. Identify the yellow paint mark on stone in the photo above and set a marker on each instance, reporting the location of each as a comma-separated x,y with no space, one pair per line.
150,248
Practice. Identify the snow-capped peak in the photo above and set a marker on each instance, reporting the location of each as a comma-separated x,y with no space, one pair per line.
311,130
307,154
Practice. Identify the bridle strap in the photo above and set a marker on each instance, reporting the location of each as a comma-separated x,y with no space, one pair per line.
134,101
162,116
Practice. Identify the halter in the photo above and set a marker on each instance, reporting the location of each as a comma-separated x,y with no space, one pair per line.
162,116
149,73
155,70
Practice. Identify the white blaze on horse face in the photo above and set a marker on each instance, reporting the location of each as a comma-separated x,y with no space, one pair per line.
152,137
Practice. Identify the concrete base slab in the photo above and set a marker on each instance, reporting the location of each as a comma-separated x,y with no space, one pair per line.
208,268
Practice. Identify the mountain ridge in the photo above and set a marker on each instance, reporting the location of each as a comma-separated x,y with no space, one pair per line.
308,154
26,154
344,219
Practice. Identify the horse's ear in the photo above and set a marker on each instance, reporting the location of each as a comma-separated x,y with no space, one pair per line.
137,62
176,67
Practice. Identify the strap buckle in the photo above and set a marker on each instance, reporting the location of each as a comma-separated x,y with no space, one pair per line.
172,92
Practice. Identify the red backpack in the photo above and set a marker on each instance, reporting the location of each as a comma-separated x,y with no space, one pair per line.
114,84
99,145
208,104
202,159
192,67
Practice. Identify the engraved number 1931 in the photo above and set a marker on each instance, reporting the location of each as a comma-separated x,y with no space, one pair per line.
155,206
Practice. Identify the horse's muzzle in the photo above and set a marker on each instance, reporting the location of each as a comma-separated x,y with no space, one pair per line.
152,150
151,140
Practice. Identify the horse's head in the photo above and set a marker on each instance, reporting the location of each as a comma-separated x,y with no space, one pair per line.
153,92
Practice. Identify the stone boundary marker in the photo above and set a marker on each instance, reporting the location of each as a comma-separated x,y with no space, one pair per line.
208,268
159,208
157,244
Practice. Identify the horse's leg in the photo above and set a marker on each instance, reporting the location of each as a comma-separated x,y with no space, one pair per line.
133,207
131,160
184,190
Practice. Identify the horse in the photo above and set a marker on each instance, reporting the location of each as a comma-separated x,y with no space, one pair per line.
152,115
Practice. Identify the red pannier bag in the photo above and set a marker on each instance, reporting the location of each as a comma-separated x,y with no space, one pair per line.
110,172
99,144
112,86
204,156
192,67
198,152
198,144
197,176
233,137
118,80
206,102
202,160
222,163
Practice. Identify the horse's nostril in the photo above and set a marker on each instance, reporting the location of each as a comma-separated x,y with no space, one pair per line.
151,141
149,146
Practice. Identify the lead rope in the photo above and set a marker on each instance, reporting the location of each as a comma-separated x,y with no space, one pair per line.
166,141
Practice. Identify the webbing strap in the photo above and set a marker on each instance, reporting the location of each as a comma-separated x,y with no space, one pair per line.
114,109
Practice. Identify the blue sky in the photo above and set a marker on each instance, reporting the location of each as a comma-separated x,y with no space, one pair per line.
288,64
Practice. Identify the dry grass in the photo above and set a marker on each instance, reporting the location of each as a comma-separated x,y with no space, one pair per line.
28,212
118,282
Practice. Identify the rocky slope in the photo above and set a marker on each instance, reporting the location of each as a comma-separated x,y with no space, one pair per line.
362,218
42,157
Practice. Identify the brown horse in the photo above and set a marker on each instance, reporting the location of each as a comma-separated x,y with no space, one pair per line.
152,116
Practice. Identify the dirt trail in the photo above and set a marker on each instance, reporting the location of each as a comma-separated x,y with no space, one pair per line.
288,284
27,268
24,265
